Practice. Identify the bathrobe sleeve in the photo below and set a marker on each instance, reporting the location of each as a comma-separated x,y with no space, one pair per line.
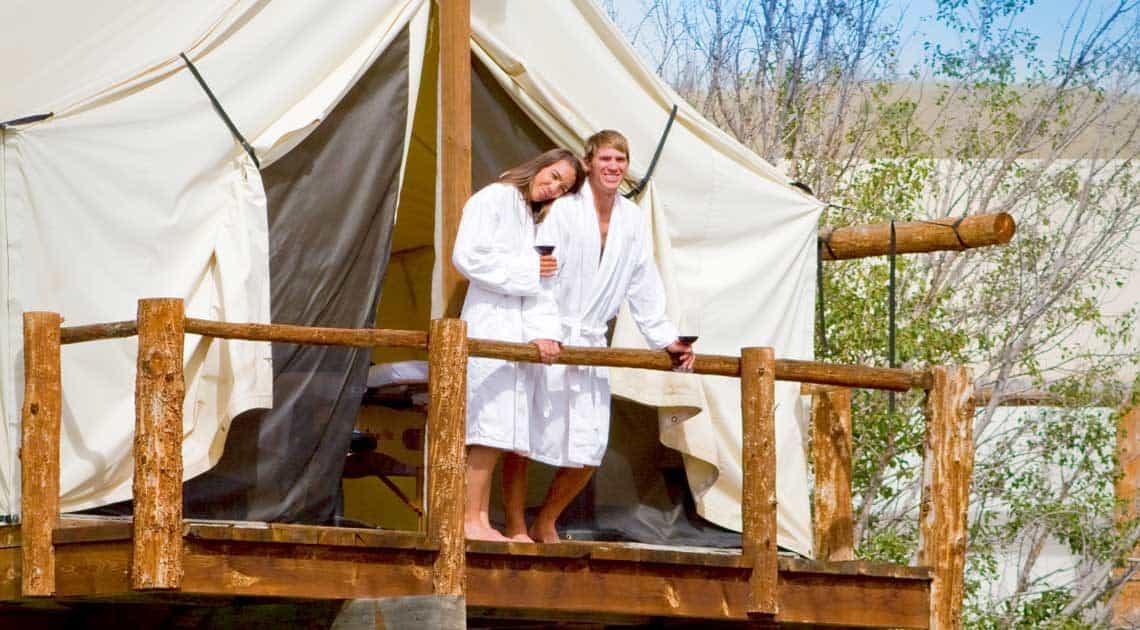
646,297
541,318
480,255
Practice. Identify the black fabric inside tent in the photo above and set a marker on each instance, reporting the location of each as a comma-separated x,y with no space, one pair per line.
332,200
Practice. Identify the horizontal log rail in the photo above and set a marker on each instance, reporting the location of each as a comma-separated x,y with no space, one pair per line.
841,375
936,235
283,333
1023,398
858,376
96,332
313,335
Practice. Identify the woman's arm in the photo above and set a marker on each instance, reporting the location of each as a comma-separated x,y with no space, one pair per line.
541,318
480,254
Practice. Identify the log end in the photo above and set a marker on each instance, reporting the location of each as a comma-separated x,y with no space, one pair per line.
1004,227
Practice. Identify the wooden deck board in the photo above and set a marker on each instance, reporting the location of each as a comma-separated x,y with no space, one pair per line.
606,580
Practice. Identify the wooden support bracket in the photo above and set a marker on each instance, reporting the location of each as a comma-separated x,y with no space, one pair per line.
160,388
446,431
39,453
757,401
947,467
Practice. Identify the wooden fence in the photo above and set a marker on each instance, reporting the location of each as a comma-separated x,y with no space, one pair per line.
157,525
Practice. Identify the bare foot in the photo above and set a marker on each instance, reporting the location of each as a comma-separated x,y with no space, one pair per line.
543,534
517,533
478,531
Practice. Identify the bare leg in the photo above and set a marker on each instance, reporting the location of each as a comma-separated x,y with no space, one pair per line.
481,462
514,496
568,482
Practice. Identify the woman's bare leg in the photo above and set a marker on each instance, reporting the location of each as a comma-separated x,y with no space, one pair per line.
481,462
568,482
514,496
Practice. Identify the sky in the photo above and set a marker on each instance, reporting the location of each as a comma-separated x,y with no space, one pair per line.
1051,21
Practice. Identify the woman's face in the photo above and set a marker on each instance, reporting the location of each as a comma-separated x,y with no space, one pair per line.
552,182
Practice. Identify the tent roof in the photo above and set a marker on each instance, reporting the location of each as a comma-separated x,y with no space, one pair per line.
52,56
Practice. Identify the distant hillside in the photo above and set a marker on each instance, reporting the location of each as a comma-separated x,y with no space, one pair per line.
942,112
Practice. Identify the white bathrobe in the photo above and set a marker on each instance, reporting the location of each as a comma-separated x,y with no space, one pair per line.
506,300
574,402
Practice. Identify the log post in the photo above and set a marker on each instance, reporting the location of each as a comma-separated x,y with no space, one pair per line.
758,496
160,388
446,431
948,463
1126,605
831,451
455,138
39,453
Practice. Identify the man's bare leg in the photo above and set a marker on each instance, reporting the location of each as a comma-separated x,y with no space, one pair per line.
481,462
514,497
568,482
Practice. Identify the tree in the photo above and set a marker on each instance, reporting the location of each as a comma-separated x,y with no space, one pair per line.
990,124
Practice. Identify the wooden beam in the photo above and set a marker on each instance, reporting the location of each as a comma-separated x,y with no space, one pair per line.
860,376
289,333
831,451
857,376
810,372
1021,398
849,594
758,536
948,463
455,137
612,357
160,388
95,332
446,431
874,239
39,452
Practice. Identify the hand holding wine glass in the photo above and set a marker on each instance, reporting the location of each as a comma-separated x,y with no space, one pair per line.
681,350
547,263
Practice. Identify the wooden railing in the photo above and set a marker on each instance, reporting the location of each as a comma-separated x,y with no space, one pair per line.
157,524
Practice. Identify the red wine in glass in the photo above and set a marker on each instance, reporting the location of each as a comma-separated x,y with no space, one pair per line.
544,250
690,326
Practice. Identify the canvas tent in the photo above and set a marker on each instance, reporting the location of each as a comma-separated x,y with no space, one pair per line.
134,188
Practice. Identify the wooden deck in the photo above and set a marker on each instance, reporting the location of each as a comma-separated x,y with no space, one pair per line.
89,568
614,582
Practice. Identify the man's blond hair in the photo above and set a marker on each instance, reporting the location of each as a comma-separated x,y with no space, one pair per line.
606,138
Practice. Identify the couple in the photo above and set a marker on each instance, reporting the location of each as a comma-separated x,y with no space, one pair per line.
558,415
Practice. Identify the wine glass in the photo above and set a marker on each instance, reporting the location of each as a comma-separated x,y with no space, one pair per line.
545,250
689,327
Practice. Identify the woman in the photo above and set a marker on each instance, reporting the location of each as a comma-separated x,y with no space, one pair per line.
507,300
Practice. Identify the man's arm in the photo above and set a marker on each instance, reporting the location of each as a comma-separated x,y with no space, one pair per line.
646,294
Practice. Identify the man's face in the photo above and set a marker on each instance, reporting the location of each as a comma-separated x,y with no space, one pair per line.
607,169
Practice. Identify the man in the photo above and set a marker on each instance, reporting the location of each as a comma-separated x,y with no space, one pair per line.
606,256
